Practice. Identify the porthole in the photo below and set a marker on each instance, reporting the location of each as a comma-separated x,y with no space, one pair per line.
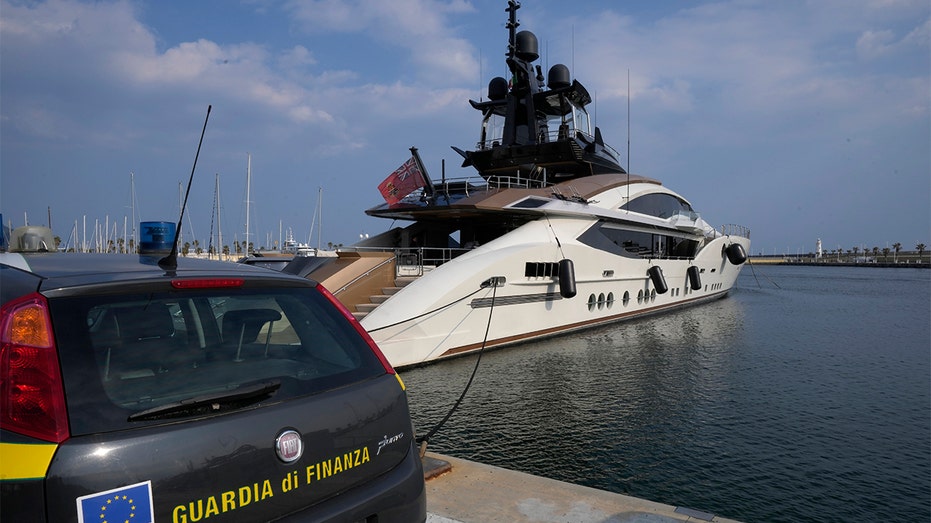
610,299
592,301
640,296
626,298
653,295
601,301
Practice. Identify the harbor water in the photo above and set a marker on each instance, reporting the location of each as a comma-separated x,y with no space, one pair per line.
805,395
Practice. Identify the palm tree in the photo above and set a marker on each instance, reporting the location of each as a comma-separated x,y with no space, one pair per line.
885,254
898,247
920,248
875,253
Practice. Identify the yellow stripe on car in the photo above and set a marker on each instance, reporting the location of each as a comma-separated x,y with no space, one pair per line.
25,461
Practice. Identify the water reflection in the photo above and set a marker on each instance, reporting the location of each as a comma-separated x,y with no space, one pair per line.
573,407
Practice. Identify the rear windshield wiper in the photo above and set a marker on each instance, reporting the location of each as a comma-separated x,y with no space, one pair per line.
211,403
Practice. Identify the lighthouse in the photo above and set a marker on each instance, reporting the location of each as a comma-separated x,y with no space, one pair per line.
818,249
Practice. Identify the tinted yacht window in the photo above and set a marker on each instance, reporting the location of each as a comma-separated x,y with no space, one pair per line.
637,244
660,205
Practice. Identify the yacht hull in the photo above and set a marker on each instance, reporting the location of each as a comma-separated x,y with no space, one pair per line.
447,312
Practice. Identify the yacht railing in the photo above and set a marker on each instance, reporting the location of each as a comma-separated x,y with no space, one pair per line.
466,185
411,261
515,182
731,229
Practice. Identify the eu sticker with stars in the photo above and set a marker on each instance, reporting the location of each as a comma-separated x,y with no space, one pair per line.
132,503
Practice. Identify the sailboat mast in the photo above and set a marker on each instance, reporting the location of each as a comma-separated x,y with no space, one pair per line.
132,196
181,205
219,230
320,212
248,185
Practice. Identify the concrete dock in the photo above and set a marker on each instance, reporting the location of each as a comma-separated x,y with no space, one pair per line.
461,491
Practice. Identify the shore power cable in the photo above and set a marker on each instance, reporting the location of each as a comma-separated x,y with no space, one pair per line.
450,304
494,282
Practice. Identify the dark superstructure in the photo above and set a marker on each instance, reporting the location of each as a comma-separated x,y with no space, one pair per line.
545,134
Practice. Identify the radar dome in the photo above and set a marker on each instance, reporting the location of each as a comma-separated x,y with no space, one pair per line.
558,76
497,88
527,48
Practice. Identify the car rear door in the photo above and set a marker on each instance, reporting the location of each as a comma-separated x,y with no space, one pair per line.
242,403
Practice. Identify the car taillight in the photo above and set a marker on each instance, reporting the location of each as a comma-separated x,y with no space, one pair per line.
358,326
32,398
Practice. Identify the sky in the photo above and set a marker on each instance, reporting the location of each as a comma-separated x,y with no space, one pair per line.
798,119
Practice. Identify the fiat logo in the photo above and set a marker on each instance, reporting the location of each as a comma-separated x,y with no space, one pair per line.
289,446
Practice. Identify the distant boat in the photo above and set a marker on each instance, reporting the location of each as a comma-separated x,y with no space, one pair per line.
552,236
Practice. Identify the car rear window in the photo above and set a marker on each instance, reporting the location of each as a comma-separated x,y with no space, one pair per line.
132,360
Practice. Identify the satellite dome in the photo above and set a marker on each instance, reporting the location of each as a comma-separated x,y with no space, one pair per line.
497,88
527,48
558,76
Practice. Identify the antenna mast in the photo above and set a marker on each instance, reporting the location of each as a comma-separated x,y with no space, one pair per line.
170,263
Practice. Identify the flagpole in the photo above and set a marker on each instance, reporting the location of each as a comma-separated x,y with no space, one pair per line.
428,188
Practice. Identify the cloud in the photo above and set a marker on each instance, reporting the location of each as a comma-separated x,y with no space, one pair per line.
108,58
420,27
875,44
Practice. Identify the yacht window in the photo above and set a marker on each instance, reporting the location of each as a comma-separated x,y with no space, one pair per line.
637,244
661,205
492,131
530,203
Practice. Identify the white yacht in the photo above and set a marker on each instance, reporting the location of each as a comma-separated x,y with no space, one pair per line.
548,235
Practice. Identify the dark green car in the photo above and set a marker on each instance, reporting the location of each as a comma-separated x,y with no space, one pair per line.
211,392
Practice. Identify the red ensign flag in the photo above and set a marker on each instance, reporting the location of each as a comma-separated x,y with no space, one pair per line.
405,180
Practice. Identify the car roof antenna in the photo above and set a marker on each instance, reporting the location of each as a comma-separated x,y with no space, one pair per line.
170,262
